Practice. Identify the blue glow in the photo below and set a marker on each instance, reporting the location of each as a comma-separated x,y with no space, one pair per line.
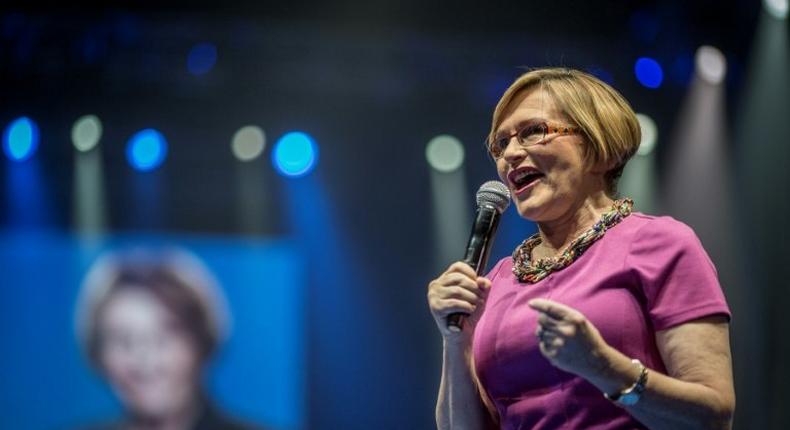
40,305
146,150
20,139
648,72
295,154
202,58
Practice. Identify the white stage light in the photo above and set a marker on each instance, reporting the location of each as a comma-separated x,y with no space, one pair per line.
711,64
248,143
649,134
445,153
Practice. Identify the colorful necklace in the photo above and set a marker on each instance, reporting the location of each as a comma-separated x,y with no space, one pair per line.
530,271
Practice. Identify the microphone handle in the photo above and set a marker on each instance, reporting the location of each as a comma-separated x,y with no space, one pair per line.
477,250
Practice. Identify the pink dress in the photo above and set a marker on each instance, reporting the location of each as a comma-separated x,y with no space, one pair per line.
645,274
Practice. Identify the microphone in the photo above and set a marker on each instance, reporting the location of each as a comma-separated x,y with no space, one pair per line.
493,197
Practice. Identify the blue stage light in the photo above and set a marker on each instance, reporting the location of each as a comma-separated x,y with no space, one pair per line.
648,72
295,154
202,58
20,139
146,150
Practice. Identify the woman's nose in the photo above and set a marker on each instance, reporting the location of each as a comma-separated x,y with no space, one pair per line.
514,151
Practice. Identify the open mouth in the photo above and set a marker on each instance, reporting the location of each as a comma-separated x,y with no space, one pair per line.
523,177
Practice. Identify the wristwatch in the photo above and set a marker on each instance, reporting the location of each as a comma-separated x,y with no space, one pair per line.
632,394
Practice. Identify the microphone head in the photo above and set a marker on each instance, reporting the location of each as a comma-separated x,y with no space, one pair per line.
493,193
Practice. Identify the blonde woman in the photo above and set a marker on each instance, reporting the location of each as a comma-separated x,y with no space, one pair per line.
606,318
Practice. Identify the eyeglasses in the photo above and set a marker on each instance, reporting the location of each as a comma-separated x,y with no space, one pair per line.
528,135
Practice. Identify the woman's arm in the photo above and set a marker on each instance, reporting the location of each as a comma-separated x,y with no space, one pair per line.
698,392
460,404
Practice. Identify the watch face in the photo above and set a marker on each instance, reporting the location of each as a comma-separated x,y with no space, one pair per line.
629,398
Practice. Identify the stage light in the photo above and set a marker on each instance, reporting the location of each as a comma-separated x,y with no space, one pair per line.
444,153
20,139
649,134
648,72
295,154
777,8
248,143
451,206
146,150
201,58
711,64
86,132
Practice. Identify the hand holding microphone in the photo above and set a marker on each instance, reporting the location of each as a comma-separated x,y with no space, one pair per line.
460,290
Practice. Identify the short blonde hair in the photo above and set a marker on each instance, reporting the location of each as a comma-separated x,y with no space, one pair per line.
605,118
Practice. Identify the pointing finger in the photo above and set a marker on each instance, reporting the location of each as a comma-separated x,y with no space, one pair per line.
551,308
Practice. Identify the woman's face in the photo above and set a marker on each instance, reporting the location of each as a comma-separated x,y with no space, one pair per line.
149,358
548,179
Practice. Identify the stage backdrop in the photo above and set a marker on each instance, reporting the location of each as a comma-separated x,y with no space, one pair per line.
257,375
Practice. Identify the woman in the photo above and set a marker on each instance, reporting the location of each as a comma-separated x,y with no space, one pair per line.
605,318
149,322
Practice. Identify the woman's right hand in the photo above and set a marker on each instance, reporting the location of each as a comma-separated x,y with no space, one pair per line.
458,289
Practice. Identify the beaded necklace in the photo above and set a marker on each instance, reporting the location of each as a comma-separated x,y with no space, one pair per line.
530,271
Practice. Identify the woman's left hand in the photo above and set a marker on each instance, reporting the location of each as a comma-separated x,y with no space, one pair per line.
568,339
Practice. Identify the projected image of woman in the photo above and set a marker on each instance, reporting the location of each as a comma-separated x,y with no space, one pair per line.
606,318
149,323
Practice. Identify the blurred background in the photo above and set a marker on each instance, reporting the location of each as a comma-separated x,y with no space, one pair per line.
322,161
